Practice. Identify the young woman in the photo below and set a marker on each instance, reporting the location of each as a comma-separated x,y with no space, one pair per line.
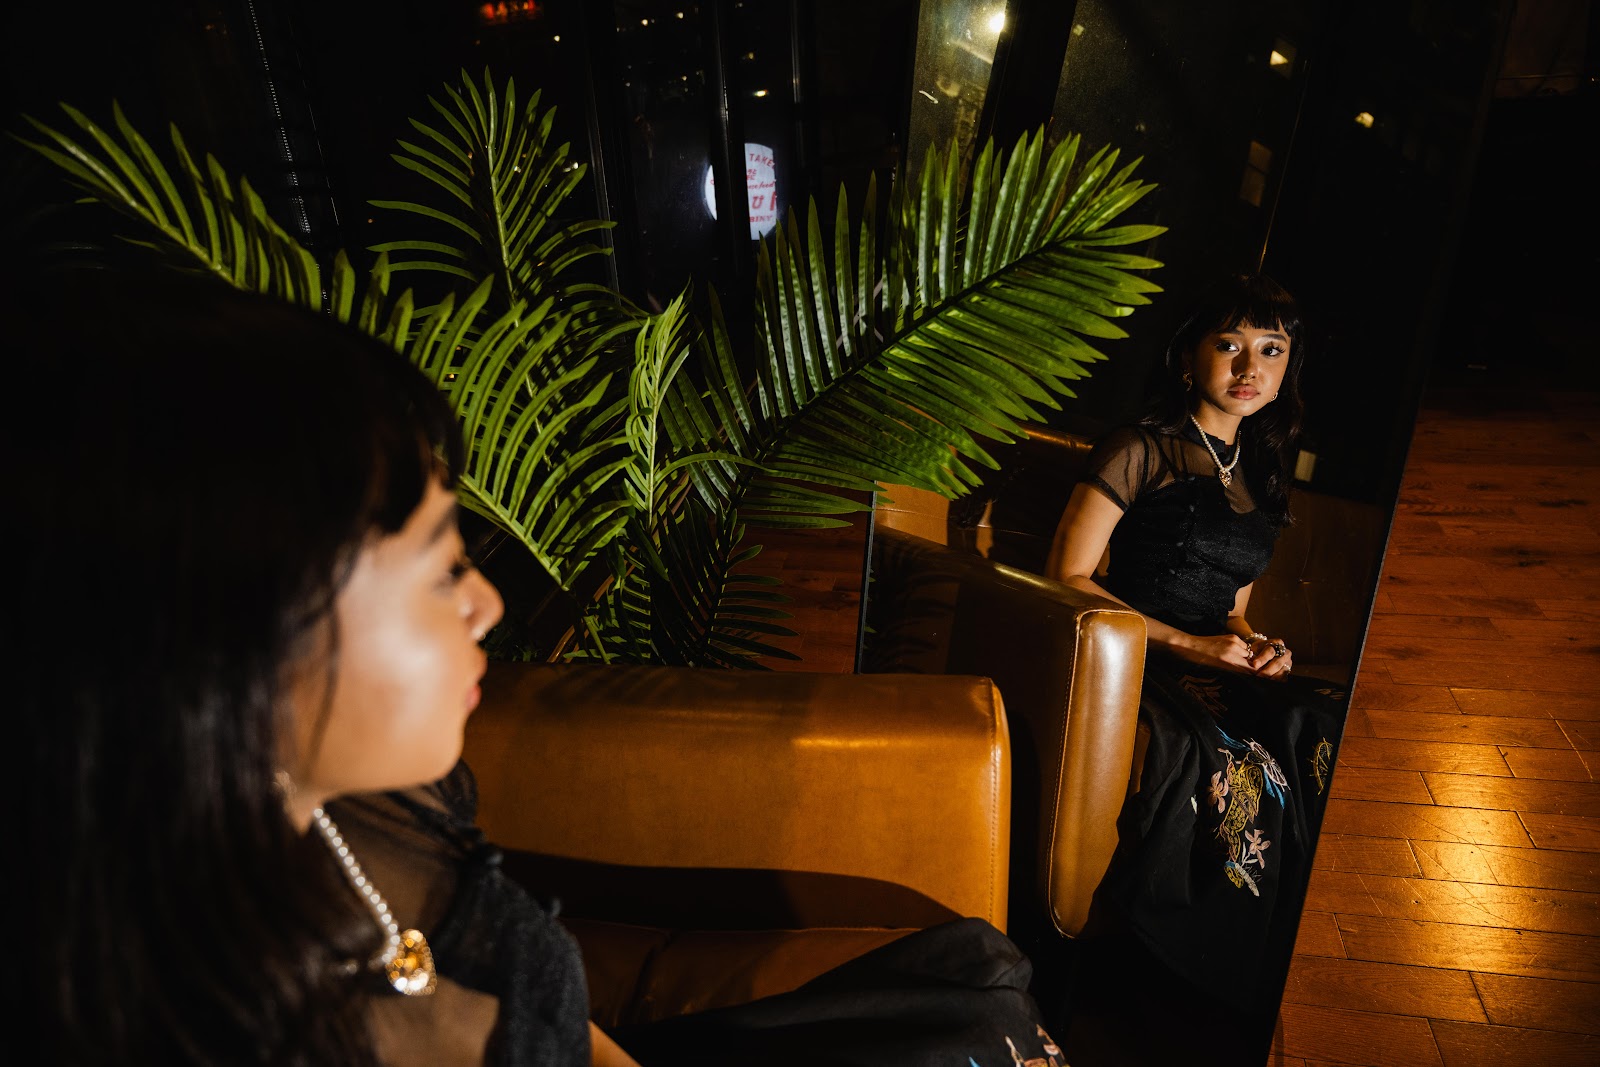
1189,501
240,594
245,643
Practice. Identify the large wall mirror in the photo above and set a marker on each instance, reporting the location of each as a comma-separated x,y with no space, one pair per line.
1332,147
1329,143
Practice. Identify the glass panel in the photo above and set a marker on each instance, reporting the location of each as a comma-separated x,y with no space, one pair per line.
1347,186
862,58
955,56
763,74
1208,95
661,59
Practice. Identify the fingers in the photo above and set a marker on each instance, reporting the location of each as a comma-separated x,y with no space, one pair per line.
1270,658
1279,666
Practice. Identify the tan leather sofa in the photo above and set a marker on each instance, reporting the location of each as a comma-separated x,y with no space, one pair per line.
716,836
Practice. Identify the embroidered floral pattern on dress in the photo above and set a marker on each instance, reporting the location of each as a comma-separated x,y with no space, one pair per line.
1321,764
1051,1057
1236,792
1206,691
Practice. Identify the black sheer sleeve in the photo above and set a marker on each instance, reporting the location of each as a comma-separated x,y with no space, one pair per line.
1124,464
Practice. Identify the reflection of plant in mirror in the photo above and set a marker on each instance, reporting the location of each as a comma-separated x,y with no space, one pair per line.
878,356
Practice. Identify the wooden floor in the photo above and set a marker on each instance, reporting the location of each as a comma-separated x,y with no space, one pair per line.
1453,918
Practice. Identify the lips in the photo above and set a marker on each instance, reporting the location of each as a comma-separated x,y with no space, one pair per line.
1244,393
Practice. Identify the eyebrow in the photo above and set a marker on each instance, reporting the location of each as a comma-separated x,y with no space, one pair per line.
447,522
1273,334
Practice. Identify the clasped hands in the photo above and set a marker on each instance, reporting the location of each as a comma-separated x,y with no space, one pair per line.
1255,654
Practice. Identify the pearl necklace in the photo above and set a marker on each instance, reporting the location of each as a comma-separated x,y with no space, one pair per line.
1223,473
406,959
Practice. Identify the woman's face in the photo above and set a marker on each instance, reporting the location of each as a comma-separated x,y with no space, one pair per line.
404,667
1238,370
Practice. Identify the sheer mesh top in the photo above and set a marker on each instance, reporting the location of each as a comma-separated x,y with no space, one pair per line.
1185,544
511,982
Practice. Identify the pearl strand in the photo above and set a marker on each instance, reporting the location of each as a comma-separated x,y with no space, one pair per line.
406,960
362,885
1224,474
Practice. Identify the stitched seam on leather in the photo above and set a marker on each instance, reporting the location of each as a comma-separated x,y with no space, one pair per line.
1061,769
994,795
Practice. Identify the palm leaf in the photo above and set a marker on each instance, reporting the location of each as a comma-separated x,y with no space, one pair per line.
893,359
503,184
201,219
544,433
559,503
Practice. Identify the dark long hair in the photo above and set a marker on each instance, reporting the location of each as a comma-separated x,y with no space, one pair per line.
199,468
1270,434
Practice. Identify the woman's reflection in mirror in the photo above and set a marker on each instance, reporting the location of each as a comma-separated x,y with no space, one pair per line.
1234,750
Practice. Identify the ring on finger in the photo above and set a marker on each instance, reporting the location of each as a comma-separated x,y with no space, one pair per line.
1279,649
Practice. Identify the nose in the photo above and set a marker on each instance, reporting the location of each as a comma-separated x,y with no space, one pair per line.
483,606
1244,366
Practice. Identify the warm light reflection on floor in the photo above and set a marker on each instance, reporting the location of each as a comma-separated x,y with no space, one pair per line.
1454,916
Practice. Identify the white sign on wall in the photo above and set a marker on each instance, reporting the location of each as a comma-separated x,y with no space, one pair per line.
762,181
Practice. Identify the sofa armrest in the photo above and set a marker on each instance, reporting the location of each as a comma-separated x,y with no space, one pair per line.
1070,666
865,780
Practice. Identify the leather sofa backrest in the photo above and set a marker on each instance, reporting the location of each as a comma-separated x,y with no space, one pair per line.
854,800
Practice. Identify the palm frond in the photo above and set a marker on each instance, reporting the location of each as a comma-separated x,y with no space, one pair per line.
503,184
201,219
558,502
990,302
657,481
544,444
892,360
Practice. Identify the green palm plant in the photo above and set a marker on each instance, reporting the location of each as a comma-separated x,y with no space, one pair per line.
889,366
523,357
880,357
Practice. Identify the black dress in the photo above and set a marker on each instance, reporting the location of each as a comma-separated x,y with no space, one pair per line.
954,994
1234,779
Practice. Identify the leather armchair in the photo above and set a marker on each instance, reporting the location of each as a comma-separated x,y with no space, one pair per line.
1070,665
716,836
957,587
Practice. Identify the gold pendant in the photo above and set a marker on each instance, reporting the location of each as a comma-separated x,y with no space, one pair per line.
411,971
1226,476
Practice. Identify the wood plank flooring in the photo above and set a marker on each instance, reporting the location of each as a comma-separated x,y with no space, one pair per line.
1453,916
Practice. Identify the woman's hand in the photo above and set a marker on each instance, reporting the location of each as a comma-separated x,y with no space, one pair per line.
1270,658
1229,652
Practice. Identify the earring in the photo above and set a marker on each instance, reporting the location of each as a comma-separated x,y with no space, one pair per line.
1188,380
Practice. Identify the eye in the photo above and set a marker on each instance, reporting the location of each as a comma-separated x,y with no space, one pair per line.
1227,346
459,569
1272,351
